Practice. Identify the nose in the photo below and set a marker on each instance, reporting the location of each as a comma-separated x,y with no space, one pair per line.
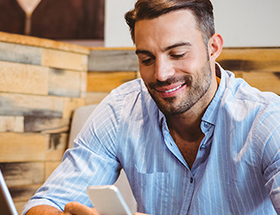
163,69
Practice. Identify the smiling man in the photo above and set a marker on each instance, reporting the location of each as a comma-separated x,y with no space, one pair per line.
191,137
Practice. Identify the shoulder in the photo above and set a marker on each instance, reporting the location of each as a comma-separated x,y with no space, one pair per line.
239,92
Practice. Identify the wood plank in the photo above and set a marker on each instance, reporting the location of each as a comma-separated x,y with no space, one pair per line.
23,193
23,78
250,59
39,42
56,147
30,105
83,84
50,167
112,60
11,124
95,98
16,174
70,105
264,81
46,124
105,82
17,147
64,60
19,205
12,52
64,83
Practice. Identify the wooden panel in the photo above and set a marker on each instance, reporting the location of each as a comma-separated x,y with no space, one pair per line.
22,147
57,145
28,105
71,104
64,60
83,84
11,124
23,193
250,59
19,205
45,124
50,167
64,83
23,78
105,82
20,54
113,60
23,173
263,81
95,98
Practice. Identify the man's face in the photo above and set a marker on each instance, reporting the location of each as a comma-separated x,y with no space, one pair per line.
173,61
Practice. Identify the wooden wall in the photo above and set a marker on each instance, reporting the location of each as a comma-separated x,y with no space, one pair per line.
43,81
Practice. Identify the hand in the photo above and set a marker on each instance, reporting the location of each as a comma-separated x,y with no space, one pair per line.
75,208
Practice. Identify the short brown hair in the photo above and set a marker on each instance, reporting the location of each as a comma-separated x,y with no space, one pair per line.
149,9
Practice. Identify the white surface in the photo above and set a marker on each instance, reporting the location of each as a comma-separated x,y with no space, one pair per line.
249,23
107,200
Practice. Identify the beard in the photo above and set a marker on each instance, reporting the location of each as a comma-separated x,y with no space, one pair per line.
195,89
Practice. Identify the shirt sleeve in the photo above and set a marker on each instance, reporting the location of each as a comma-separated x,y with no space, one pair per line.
92,161
269,134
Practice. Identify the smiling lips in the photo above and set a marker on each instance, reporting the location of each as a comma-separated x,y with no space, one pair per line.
170,91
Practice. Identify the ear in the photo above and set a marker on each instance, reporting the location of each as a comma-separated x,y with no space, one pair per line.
215,46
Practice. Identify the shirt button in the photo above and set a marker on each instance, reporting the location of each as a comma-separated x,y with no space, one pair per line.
191,180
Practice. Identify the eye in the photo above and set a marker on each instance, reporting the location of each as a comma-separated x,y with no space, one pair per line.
177,56
146,60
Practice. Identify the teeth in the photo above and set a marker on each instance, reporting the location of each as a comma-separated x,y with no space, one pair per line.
171,90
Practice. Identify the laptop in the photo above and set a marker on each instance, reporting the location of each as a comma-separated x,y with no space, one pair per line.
7,206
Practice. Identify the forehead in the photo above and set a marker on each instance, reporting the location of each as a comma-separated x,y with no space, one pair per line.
170,28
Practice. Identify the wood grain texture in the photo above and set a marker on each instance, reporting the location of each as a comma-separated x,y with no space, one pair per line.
250,59
105,82
46,124
113,60
56,147
23,173
30,105
12,52
23,78
17,147
64,83
71,104
11,124
64,60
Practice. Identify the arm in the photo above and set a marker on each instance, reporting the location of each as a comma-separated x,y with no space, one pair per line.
72,208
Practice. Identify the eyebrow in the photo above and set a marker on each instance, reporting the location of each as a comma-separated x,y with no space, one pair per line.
139,51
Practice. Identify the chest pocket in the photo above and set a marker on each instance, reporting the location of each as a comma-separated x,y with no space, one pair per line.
151,191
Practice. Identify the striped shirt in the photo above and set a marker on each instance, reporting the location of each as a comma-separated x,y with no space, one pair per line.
236,171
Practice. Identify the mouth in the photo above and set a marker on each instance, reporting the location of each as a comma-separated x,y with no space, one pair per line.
170,90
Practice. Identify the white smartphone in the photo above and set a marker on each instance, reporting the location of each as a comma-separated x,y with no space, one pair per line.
108,200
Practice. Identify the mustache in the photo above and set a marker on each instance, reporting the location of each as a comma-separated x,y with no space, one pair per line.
187,79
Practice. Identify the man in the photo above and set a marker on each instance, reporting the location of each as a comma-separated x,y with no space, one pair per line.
191,137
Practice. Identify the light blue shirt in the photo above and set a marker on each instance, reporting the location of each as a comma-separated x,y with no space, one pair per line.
236,171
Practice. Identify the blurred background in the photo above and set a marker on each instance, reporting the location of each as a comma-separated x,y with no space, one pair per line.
66,20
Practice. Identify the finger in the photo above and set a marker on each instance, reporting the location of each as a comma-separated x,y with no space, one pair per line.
76,208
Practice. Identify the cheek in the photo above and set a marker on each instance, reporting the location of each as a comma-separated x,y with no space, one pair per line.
146,74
